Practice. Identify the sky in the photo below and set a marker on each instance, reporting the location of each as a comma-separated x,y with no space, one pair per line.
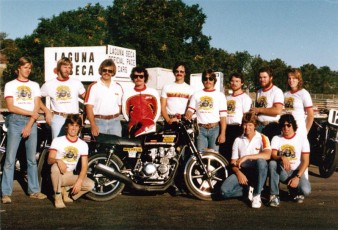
296,31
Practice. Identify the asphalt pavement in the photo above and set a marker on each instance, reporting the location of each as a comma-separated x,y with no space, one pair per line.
163,211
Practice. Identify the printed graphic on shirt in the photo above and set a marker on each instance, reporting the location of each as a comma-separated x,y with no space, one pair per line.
24,93
181,95
231,106
206,103
262,102
63,93
70,154
289,101
288,151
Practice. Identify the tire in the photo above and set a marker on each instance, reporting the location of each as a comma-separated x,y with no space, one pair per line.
41,164
105,188
197,181
329,160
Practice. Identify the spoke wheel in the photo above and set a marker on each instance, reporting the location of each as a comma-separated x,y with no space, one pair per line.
329,160
106,188
206,186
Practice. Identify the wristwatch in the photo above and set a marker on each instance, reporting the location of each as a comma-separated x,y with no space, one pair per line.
298,176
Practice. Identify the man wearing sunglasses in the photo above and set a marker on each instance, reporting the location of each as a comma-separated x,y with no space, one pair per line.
210,107
175,97
269,104
63,92
290,159
103,102
141,105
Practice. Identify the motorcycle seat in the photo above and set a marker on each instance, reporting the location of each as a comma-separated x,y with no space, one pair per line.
116,140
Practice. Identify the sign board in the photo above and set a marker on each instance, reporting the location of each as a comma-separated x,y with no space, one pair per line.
196,81
87,59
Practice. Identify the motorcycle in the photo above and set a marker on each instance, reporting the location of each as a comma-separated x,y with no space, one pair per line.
323,138
154,162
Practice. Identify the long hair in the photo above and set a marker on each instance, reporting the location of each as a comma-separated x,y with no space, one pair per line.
106,63
288,118
21,62
139,69
297,74
63,61
73,119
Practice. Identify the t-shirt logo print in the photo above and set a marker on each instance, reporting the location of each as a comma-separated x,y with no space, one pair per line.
70,154
288,151
63,93
205,103
231,106
24,93
289,103
262,102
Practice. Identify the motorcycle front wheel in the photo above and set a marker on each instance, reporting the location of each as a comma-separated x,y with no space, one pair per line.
206,186
106,188
328,160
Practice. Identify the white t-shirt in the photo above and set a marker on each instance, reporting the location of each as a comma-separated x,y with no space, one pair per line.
23,93
266,99
63,94
106,100
69,151
292,148
296,103
237,106
243,147
209,106
177,96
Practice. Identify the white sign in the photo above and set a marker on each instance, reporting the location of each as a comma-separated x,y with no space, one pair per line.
86,61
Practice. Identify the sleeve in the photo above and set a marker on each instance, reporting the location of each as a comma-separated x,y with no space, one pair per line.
223,105
37,90
279,97
158,112
307,101
275,143
84,149
305,146
120,94
44,90
90,96
192,103
124,106
164,92
247,103
265,142
8,90
235,149
82,89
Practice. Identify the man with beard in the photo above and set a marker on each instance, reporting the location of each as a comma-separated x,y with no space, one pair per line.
63,92
268,105
103,102
175,97
238,104
141,105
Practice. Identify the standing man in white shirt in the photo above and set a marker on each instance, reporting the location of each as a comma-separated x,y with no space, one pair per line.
269,104
210,107
103,102
175,96
238,103
64,93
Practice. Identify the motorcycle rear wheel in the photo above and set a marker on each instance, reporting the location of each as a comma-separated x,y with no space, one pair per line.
106,188
329,160
206,186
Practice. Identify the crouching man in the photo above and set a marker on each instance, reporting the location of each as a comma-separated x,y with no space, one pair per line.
290,159
64,154
250,153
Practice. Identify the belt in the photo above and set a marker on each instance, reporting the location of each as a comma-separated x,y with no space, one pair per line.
209,125
107,117
63,114
175,115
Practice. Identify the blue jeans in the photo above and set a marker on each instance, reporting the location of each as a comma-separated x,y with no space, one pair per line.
112,126
15,124
278,173
58,126
256,172
207,138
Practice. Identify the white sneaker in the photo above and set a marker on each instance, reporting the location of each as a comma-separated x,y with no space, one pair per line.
256,201
250,193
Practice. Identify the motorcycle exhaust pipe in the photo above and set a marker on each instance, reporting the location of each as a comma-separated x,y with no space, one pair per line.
118,176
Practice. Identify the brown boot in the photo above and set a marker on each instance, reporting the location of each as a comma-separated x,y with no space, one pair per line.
65,195
58,201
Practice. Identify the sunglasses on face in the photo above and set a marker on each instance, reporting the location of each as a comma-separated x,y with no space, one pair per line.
107,70
286,125
208,79
179,71
138,76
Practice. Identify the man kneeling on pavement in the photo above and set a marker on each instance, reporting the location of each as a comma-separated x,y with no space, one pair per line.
64,155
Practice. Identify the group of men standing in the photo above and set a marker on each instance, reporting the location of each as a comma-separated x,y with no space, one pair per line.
230,121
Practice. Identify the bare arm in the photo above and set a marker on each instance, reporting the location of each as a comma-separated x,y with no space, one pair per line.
223,123
52,160
90,116
265,155
309,118
84,166
275,110
48,113
304,163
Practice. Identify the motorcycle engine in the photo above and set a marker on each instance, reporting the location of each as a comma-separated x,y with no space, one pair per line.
156,164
